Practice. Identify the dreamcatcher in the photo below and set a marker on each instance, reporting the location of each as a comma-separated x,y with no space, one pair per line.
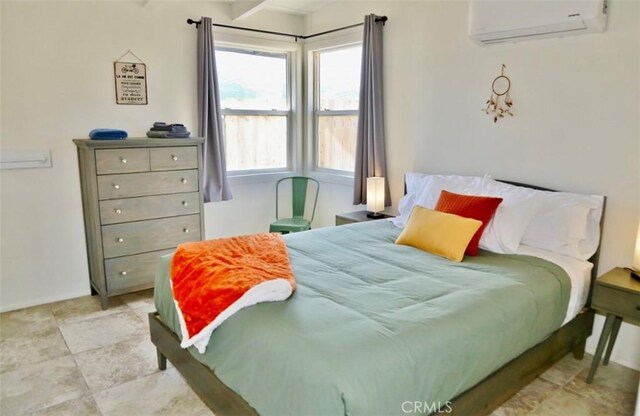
499,103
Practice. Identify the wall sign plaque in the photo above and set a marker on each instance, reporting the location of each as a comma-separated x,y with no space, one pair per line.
131,83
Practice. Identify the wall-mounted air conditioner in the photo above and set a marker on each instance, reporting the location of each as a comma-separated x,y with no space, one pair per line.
517,20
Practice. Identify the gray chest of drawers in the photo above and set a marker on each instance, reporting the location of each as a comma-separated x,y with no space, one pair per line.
141,198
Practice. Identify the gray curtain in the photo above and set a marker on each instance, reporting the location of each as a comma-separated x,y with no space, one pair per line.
210,124
370,153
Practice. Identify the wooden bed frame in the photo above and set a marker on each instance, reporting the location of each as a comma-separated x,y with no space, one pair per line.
481,399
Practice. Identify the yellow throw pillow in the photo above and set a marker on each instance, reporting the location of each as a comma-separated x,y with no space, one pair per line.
446,235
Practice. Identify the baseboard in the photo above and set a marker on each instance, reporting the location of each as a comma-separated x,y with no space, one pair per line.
40,301
625,361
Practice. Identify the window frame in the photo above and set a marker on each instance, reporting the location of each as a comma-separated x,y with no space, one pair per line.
312,50
319,112
267,47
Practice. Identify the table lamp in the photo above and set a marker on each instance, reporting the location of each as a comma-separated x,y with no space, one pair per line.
375,197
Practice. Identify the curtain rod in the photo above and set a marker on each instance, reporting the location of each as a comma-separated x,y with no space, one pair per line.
382,19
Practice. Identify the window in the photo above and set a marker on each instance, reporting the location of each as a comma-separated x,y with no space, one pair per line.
337,89
255,97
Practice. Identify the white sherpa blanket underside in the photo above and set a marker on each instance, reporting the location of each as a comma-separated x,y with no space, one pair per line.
269,291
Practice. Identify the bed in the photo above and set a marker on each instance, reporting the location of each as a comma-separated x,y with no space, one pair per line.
379,328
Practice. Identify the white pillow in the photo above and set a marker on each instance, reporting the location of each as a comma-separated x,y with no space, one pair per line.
406,204
518,208
464,185
562,223
565,224
424,190
589,245
414,183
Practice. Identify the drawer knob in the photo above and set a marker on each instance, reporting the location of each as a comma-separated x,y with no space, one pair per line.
120,240
174,158
183,180
185,203
123,160
638,308
123,273
116,186
185,230
118,211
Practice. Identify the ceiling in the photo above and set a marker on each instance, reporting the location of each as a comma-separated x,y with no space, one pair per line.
240,9
300,7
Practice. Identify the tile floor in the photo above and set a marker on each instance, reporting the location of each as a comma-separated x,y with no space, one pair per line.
72,358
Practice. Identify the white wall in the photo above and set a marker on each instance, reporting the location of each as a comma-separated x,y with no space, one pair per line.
57,84
576,104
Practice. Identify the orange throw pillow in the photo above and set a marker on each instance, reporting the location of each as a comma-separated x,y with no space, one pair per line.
479,208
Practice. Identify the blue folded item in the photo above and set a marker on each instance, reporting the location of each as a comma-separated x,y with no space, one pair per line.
108,134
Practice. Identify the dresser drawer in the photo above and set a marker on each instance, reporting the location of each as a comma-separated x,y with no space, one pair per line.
143,184
141,198
618,302
122,161
171,158
151,235
129,272
113,211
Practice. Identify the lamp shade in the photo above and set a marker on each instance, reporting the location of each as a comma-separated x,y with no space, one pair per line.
375,194
636,254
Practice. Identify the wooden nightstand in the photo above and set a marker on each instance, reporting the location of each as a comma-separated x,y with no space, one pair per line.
617,295
357,216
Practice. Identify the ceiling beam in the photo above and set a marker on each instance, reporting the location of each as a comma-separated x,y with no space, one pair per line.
245,8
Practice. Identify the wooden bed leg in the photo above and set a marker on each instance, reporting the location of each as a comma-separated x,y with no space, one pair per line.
578,352
162,360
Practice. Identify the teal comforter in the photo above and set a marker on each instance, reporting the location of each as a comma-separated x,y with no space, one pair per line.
374,327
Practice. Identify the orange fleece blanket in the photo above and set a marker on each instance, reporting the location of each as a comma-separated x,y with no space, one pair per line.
211,280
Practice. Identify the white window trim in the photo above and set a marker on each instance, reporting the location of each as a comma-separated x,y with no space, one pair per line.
345,40
295,116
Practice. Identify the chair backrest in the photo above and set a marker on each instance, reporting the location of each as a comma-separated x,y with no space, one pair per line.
298,195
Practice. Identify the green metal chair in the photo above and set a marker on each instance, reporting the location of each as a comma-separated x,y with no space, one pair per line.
298,199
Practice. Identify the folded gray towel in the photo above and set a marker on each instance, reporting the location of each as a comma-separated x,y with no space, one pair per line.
167,135
161,126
